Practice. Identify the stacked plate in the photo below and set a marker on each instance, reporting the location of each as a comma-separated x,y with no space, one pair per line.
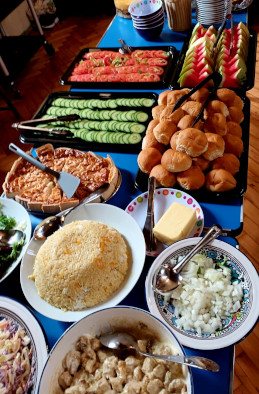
209,13
148,17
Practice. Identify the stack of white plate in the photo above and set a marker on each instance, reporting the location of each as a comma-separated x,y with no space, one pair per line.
212,12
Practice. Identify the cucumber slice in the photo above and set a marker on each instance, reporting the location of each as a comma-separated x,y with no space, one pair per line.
112,103
147,102
137,128
133,138
130,114
141,116
100,136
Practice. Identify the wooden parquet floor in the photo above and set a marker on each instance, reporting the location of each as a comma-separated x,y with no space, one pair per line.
41,76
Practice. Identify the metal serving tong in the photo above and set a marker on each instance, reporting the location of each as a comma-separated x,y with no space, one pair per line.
126,49
28,124
217,80
214,76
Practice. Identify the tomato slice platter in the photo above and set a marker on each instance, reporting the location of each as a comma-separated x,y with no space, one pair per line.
107,68
116,121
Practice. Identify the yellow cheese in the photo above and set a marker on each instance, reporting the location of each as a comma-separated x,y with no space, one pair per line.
176,223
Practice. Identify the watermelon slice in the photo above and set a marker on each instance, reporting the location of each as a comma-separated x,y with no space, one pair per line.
198,59
199,68
237,62
191,78
233,80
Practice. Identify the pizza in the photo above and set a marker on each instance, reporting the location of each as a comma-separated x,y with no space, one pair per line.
38,191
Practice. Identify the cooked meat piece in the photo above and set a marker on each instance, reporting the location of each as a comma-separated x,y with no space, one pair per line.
109,366
133,387
137,373
176,386
154,386
65,380
72,361
148,365
159,372
116,384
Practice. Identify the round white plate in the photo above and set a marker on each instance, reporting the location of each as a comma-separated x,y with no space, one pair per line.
13,209
19,314
236,326
109,215
164,198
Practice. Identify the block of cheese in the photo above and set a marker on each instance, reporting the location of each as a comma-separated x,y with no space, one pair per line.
176,224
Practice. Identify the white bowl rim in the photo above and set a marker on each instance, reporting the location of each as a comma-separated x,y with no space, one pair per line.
201,343
168,328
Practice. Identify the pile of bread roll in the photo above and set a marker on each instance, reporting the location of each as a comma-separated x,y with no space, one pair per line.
206,154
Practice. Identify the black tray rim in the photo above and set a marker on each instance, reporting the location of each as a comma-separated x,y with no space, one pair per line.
206,196
251,64
77,142
164,83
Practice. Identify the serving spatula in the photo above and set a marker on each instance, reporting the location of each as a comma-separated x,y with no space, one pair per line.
68,183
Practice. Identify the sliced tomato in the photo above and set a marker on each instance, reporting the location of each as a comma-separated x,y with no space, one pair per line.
102,78
157,62
115,78
156,70
161,53
148,77
84,78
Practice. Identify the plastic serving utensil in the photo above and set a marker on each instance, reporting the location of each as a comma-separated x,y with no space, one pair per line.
168,277
122,341
52,223
66,181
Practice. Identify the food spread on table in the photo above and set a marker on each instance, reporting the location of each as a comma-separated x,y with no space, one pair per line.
39,191
16,354
204,155
111,66
200,61
80,265
94,368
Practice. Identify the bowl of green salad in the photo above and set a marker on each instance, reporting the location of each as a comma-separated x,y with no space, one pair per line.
13,216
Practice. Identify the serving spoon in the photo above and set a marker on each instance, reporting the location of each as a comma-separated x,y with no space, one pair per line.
10,237
124,341
52,223
168,277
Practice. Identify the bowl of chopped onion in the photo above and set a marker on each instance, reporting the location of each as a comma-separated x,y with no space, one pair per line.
215,305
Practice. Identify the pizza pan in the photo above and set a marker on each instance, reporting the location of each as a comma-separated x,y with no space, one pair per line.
204,195
42,137
251,62
163,83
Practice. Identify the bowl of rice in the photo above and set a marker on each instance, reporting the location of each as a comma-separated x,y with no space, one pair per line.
215,305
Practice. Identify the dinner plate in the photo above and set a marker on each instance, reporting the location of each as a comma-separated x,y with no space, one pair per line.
236,326
164,198
11,208
109,215
21,315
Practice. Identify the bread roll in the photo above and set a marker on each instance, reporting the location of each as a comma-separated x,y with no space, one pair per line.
234,129
148,158
162,98
175,161
216,123
163,177
173,139
191,141
235,114
215,106
227,162
201,162
233,144
174,95
164,131
220,180
167,114
226,95
157,110
200,96
187,122
238,103
216,146
150,141
191,179
153,123
192,108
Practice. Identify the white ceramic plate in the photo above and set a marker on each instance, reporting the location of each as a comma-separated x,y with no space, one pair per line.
236,326
19,314
109,215
164,198
13,209
106,320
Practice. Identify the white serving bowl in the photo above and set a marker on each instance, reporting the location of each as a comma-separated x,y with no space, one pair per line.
238,324
111,216
17,211
106,320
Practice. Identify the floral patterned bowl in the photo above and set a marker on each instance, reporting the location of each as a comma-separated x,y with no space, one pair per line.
237,325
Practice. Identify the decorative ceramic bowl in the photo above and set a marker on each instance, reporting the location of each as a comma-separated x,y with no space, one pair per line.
236,326
148,18
149,25
129,319
142,8
149,33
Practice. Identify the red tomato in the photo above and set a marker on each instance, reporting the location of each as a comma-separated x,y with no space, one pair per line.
157,62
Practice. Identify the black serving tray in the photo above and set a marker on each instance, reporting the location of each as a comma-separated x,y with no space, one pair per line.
39,138
204,195
163,83
251,63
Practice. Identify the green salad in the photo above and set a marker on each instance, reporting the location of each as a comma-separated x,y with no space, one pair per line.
8,254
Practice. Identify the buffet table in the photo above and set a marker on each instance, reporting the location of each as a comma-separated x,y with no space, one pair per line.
228,215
